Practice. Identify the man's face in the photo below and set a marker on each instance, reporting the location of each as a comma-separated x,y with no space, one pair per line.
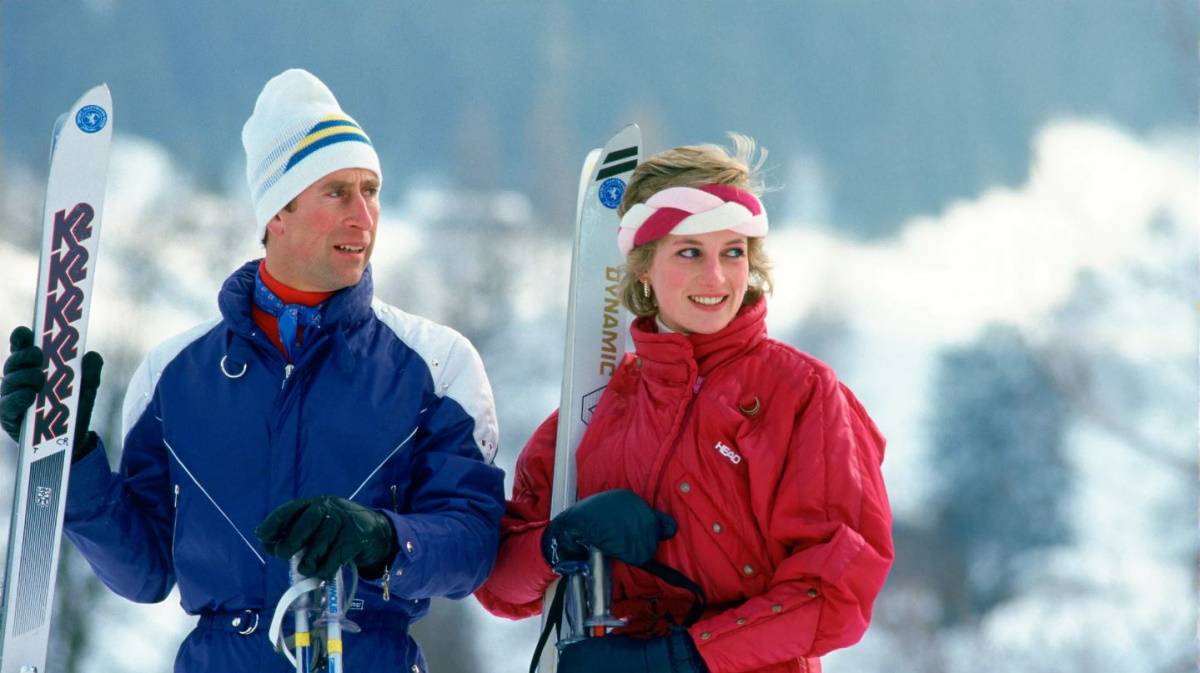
325,242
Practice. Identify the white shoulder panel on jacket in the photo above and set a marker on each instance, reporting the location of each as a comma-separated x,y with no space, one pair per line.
145,377
454,365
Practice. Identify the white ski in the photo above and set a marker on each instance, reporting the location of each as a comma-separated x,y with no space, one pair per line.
70,232
596,322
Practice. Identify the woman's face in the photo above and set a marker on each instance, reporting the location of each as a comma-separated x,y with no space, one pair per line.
699,280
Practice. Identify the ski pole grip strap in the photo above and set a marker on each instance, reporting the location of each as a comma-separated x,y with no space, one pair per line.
675,578
275,633
553,620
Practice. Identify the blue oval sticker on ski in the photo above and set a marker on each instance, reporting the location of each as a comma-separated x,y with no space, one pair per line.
91,118
612,191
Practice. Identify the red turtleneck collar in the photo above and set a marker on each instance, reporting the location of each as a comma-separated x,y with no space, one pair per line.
707,351
289,295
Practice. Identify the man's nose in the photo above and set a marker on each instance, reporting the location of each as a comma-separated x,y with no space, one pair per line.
360,212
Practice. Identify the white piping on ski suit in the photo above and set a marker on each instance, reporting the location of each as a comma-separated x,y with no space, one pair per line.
141,391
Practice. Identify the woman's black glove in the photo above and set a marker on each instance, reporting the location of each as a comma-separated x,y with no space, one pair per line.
25,377
331,532
675,653
618,523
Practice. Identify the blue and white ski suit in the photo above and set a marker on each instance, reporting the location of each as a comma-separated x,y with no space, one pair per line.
387,409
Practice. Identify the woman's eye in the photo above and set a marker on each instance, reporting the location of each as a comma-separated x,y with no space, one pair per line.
735,252
689,253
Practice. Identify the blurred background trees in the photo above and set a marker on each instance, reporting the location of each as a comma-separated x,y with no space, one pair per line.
1042,452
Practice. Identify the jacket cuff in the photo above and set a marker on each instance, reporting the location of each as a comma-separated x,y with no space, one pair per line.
88,482
408,548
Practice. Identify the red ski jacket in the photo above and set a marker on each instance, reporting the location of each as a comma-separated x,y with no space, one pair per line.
770,466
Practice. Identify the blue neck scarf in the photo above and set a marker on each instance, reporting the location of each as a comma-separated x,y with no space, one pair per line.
290,316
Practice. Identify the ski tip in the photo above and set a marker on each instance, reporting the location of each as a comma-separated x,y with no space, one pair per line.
99,91
585,174
621,154
58,127
92,113
628,137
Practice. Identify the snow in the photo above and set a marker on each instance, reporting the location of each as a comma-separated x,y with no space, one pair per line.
1010,255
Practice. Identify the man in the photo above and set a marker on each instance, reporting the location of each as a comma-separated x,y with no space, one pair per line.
311,419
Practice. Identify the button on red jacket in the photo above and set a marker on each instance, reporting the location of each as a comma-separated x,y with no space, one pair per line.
771,468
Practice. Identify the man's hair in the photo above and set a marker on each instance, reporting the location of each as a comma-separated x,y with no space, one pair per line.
692,166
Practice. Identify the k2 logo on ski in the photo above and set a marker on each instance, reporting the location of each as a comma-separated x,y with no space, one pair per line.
64,309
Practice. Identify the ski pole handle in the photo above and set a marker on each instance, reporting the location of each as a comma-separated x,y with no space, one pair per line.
600,618
598,600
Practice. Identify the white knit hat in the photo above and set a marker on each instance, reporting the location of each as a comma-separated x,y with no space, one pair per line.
297,135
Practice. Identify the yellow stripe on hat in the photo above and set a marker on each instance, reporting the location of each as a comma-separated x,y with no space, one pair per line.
326,131
334,129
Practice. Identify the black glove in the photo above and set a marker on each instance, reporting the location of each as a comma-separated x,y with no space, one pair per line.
675,653
618,523
331,532
24,378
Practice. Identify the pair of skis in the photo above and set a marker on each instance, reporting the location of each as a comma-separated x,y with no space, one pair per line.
595,344
70,235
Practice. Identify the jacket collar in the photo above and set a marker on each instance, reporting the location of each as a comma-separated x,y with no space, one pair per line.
675,356
347,307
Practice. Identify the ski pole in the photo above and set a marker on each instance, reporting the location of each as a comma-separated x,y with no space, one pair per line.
302,637
333,623
301,587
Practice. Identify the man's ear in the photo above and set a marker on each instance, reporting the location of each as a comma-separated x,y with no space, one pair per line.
275,226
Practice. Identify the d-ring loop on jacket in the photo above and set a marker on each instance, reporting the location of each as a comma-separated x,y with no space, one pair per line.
751,409
226,371
247,626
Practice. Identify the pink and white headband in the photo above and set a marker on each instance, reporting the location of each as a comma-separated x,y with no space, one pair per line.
692,210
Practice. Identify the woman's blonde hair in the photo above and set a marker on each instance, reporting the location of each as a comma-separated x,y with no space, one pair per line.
692,166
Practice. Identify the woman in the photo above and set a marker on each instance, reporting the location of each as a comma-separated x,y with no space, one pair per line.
715,450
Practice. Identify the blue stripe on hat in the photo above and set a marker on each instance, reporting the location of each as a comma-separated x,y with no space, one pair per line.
328,123
324,142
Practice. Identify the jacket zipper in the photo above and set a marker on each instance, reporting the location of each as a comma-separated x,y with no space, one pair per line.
689,408
175,523
387,573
